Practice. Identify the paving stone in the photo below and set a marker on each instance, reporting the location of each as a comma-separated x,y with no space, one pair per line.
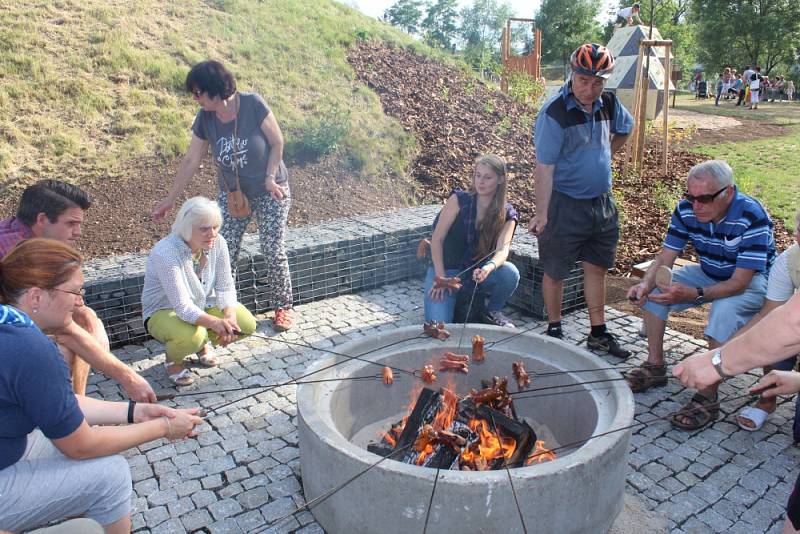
160,498
172,526
717,522
707,491
762,514
182,506
277,509
655,471
196,519
224,508
253,498
187,488
283,488
227,526
236,474
741,496
155,516
204,498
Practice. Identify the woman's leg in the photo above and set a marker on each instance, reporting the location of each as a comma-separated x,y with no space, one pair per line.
180,337
99,488
501,284
272,216
232,229
442,310
245,320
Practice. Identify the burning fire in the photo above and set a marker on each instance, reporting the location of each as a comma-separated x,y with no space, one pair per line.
489,448
540,454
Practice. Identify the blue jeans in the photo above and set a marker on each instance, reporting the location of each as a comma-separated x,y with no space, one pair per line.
498,287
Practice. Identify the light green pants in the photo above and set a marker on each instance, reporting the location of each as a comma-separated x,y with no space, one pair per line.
183,339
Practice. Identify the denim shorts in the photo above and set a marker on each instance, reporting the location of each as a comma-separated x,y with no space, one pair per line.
728,314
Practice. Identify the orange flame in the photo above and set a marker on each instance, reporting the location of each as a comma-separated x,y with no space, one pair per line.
540,454
490,448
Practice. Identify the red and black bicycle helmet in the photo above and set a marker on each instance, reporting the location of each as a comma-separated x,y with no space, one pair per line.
592,59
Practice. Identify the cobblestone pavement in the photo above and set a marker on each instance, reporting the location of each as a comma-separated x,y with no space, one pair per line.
242,470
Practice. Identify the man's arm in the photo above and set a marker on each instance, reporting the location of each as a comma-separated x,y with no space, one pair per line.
618,141
543,189
83,344
735,285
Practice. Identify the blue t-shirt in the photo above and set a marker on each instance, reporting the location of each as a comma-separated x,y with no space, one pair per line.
743,238
35,389
579,143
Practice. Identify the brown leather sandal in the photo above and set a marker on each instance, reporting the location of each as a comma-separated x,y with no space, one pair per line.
647,376
697,413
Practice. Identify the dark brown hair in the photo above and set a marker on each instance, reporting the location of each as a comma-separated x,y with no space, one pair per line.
495,217
42,263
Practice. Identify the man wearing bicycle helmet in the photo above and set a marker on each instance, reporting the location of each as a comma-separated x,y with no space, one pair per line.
576,133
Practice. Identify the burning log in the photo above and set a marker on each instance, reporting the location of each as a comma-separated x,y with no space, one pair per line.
428,374
388,376
435,330
443,282
425,438
523,380
477,349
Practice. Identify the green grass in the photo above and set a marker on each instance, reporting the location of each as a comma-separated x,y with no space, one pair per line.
767,168
89,85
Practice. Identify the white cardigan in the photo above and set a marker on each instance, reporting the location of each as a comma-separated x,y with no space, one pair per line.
170,282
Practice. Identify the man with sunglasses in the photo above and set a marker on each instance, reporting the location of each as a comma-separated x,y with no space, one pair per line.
55,210
732,235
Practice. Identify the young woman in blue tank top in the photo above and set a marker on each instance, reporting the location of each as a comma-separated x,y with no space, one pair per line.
474,228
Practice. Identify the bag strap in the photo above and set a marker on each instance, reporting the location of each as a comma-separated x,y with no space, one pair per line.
234,157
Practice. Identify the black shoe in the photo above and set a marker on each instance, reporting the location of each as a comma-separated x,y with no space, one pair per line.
607,343
555,332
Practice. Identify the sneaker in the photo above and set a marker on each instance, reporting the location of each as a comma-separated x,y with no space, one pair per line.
555,332
499,319
282,320
607,343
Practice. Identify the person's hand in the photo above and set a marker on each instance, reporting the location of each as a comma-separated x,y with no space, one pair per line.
777,383
479,275
638,294
137,388
275,190
162,208
436,294
226,331
147,412
674,294
230,315
537,224
180,425
697,371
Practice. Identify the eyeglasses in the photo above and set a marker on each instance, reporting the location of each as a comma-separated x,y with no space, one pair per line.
703,199
79,293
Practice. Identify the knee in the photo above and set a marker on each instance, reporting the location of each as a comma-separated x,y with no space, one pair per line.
189,342
113,490
245,320
509,273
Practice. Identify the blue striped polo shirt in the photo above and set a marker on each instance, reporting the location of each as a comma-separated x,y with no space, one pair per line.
579,143
742,239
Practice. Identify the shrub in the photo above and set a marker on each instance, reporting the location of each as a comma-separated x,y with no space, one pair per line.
320,135
524,88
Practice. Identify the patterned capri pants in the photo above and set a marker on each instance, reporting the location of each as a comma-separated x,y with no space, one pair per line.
271,218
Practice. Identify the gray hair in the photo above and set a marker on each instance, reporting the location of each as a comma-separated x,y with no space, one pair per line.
717,169
196,211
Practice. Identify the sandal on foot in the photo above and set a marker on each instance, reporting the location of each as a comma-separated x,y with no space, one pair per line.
755,415
699,412
208,358
647,376
282,320
181,378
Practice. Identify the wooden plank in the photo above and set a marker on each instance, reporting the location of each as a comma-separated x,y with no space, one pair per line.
665,111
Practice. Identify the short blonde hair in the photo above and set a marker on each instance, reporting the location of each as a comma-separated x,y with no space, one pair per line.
196,211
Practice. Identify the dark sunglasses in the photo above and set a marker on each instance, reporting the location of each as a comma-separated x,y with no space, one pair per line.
703,199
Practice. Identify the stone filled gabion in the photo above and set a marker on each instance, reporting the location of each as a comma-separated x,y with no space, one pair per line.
579,492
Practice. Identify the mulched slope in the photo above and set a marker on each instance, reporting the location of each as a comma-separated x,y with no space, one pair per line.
456,118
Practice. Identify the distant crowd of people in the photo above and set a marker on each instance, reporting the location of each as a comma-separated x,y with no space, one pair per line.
751,87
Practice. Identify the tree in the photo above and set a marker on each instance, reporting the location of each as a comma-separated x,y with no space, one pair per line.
481,27
566,24
440,24
740,32
405,14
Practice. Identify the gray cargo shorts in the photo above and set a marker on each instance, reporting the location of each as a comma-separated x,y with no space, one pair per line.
578,230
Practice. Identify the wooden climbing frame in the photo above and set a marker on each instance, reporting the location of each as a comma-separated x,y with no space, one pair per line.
635,149
530,64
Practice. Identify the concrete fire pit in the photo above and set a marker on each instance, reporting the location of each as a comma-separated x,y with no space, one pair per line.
581,491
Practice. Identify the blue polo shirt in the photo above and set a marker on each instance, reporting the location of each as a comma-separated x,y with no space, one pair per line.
35,389
743,238
579,143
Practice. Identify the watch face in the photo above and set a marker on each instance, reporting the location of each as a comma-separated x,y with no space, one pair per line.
715,359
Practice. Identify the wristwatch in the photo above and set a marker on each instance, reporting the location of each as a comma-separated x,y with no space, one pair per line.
700,295
716,361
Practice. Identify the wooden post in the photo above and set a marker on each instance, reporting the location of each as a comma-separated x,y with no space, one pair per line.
537,42
644,87
635,111
667,77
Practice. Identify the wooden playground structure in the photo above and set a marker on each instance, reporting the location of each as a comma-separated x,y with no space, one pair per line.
530,63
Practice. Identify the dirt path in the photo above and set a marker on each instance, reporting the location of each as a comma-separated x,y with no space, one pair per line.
714,129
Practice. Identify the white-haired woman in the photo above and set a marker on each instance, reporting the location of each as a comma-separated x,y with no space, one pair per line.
189,297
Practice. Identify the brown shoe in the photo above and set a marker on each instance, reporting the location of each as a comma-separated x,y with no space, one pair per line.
282,320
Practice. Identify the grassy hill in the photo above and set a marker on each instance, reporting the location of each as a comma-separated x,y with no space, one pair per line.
90,86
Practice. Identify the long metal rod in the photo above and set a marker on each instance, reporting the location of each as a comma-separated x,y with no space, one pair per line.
508,472
430,501
466,319
324,496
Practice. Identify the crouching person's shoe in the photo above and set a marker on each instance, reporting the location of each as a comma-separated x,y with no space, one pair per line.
607,343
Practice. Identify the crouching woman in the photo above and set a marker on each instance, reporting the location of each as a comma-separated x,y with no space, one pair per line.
472,235
189,297
57,460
